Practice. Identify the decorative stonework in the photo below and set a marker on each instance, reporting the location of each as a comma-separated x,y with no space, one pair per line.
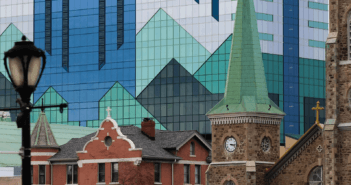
245,119
319,148
295,155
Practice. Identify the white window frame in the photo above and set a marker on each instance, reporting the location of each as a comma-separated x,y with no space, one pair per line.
199,174
72,173
39,174
192,148
311,173
188,167
112,171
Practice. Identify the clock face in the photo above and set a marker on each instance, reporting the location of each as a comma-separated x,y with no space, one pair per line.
230,144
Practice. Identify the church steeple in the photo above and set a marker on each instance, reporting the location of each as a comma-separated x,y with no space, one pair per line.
246,87
42,136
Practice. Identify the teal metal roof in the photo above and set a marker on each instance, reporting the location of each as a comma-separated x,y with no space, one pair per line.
246,87
11,140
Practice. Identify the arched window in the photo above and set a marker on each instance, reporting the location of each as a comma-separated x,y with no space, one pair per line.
349,36
316,176
229,183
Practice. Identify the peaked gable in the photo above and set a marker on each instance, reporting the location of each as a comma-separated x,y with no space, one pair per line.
98,148
294,152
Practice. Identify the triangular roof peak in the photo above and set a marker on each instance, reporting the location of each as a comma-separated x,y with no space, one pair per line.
246,87
42,135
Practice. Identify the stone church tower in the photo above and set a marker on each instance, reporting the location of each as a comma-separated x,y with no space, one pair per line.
245,123
337,130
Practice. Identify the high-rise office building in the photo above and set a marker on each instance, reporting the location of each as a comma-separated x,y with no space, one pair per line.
165,59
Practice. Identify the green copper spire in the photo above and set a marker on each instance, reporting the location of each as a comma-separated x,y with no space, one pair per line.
246,87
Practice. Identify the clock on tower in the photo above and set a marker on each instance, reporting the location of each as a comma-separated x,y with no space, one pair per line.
245,123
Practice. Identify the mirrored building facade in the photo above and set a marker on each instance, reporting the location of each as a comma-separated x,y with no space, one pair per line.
164,59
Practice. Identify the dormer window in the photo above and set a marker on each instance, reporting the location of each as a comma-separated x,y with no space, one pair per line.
192,148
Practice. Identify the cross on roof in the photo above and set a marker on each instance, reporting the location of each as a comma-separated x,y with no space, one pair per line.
317,109
108,111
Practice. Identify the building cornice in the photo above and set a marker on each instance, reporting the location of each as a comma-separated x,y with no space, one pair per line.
246,117
344,126
240,162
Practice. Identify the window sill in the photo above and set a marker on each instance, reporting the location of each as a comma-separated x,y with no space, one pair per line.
114,183
157,182
101,183
192,155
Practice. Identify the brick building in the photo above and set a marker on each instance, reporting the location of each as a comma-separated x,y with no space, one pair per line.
245,130
123,155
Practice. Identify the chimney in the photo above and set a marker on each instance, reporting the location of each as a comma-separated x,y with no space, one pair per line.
148,128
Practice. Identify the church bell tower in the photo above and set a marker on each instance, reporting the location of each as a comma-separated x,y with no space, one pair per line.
246,122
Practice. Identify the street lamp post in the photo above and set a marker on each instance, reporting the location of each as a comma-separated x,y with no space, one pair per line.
24,65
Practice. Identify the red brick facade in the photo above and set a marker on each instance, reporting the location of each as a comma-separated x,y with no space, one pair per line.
129,167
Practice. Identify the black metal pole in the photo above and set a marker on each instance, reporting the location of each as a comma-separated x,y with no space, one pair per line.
26,176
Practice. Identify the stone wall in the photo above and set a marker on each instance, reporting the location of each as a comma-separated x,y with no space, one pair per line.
248,137
256,132
343,157
220,133
298,170
11,180
218,174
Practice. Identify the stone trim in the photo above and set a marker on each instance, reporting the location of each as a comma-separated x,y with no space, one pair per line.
294,153
240,162
245,119
39,163
192,162
87,161
345,62
344,126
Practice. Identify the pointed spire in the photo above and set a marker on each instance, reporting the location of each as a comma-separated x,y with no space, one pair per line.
246,87
42,136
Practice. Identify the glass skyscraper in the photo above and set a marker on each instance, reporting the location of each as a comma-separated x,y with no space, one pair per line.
165,59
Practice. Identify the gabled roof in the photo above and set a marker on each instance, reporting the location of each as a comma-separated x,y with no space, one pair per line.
176,139
42,136
150,149
296,149
246,87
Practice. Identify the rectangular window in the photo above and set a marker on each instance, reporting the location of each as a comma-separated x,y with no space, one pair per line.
72,174
320,25
314,43
197,174
186,173
318,6
114,172
192,148
233,16
101,172
157,172
265,36
265,17
41,174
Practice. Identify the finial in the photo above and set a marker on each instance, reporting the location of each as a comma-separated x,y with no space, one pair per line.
42,105
317,109
24,38
108,112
